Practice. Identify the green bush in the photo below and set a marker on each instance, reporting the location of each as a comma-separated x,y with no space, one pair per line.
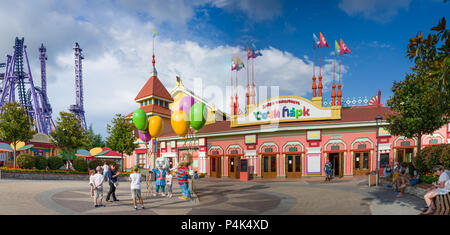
80,164
41,162
431,156
94,163
55,162
26,161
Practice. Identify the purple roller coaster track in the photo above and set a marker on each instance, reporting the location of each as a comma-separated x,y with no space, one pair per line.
35,100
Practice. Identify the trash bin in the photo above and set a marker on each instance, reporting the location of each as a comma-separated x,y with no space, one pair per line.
372,178
243,170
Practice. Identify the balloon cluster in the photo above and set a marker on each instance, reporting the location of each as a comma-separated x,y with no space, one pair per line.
147,128
189,114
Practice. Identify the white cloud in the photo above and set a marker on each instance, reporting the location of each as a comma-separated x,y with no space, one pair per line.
381,11
118,59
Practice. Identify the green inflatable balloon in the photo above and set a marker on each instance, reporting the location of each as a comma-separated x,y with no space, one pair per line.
198,115
140,119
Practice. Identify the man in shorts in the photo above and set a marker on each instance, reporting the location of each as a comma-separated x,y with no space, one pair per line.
135,181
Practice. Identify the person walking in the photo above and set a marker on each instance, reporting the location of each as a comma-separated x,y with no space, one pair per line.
112,181
135,181
328,171
98,179
105,168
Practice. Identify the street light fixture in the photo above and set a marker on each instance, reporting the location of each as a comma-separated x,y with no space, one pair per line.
378,119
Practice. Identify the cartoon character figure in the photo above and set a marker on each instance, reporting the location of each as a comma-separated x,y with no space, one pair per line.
162,166
183,175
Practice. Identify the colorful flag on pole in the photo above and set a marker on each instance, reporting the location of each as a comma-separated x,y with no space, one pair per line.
255,52
337,48
249,53
344,48
323,42
233,65
154,33
240,65
316,42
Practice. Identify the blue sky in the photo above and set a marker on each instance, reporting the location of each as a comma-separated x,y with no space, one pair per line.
198,38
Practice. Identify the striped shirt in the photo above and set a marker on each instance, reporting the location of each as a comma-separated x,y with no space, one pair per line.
182,175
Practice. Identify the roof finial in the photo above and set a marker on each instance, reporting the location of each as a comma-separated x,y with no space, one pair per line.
154,72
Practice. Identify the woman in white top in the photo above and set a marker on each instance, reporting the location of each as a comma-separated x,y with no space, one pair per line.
442,186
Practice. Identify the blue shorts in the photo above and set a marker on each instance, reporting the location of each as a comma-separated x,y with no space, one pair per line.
413,182
328,172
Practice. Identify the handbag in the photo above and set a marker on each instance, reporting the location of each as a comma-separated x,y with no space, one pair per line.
116,184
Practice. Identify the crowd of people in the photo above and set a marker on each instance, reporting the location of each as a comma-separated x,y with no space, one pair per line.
108,173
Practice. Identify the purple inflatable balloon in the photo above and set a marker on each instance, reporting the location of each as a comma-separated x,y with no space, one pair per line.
146,137
186,104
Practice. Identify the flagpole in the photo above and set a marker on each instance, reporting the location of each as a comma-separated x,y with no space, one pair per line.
248,84
253,82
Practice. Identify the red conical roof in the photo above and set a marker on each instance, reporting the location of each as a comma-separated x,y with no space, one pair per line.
154,87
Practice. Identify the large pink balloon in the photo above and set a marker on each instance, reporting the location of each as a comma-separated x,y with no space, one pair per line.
146,137
186,104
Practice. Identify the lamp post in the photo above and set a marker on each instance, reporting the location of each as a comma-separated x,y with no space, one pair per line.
378,118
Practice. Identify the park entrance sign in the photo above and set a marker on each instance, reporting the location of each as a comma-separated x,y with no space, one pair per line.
286,109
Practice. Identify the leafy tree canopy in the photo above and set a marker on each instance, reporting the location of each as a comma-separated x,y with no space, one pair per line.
121,138
69,134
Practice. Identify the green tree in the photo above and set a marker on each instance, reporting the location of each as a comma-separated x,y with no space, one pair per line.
421,101
15,125
69,135
121,138
431,56
93,140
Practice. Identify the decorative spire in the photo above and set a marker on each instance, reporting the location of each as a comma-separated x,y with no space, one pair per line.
154,72
314,86
320,85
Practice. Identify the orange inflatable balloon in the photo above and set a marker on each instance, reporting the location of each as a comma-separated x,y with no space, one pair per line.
180,123
155,126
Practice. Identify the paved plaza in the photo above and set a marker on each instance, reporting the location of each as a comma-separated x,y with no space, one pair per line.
308,196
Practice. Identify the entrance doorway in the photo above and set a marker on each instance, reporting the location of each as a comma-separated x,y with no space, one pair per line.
405,155
293,166
215,167
269,168
337,164
361,163
234,167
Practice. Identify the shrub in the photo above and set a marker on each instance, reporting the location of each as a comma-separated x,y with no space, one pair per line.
431,156
41,162
80,164
55,162
26,161
94,163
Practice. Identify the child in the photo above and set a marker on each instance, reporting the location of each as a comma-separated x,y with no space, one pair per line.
169,179
91,182
97,180
135,180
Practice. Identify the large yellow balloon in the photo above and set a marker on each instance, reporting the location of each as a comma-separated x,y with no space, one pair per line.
155,126
180,123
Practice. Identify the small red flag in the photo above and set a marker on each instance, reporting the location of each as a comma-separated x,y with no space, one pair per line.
323,42
344,48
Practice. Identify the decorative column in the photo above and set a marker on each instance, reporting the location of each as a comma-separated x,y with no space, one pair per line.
339,94
320,85
314,87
